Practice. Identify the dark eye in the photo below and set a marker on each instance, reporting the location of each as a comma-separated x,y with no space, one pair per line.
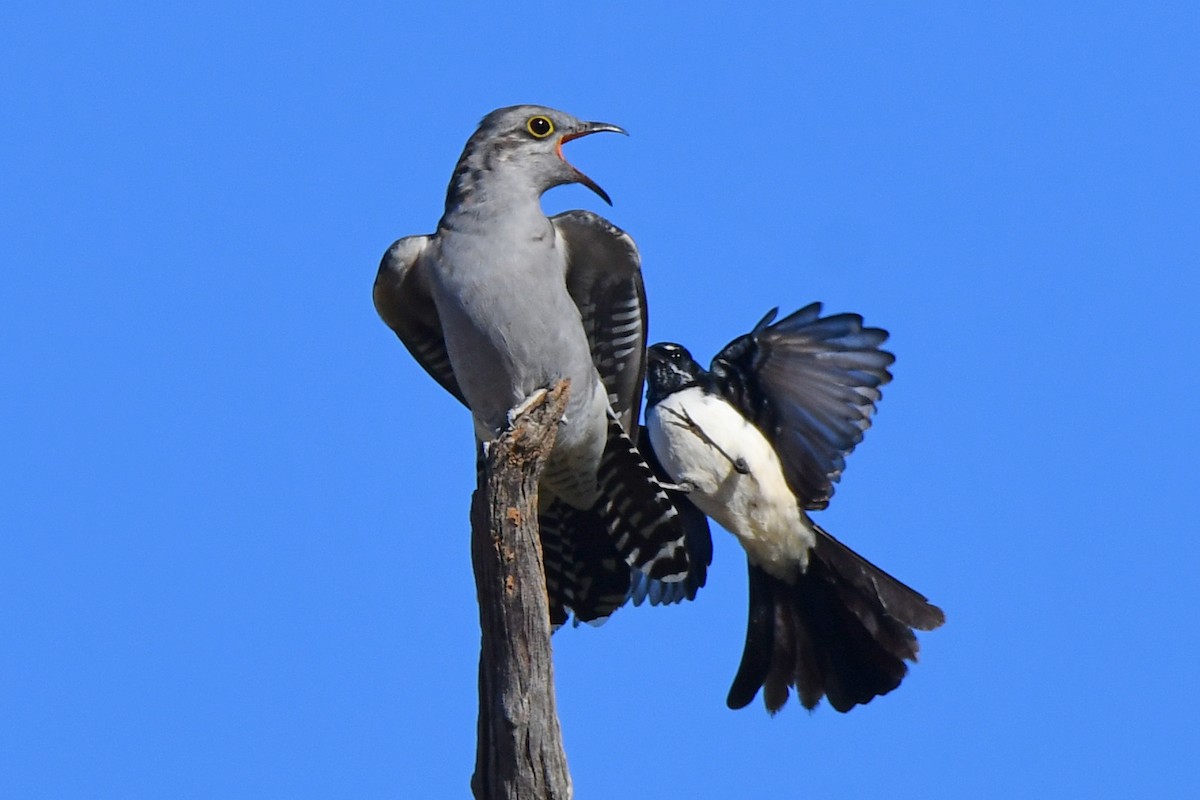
540,127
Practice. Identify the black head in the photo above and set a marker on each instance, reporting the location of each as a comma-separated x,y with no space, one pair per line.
669,368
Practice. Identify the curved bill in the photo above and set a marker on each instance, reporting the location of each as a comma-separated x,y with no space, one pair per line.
586,129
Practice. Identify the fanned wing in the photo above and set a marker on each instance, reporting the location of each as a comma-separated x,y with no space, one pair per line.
404,302
604,278
810,383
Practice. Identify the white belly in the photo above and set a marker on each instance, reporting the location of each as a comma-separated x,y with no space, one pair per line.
757,507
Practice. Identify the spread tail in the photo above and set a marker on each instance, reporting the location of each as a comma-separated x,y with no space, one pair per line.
842,630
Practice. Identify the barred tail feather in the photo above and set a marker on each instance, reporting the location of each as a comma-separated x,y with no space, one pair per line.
633,544
585,574
697,539
646,529
556,564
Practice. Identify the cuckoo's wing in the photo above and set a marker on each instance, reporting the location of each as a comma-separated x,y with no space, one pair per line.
604,278
810,383
587,573
403,300
697,540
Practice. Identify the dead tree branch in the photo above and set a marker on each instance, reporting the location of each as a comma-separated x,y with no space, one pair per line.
519,752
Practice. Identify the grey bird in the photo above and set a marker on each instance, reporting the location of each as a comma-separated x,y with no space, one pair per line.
759,439
501,303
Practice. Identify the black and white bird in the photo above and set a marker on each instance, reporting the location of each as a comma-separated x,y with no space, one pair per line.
757,441
502,302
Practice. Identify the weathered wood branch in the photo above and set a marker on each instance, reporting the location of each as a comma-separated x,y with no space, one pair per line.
519,753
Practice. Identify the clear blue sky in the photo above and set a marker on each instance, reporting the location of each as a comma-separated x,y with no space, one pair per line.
233,539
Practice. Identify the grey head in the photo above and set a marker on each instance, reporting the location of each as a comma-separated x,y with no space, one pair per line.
518,151
669,368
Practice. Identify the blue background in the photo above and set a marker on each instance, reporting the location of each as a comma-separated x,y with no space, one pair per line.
233,539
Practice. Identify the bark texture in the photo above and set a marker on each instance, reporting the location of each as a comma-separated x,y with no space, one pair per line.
519,753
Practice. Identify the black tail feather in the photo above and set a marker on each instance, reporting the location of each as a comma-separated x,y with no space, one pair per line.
848,662
900,602
842,630
760,641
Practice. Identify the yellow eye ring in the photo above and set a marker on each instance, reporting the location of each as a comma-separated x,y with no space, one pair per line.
539,127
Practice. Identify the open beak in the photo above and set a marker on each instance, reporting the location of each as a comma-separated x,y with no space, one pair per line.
586,129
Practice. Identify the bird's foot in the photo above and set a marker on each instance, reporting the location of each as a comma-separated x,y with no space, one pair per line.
686,421
683,487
